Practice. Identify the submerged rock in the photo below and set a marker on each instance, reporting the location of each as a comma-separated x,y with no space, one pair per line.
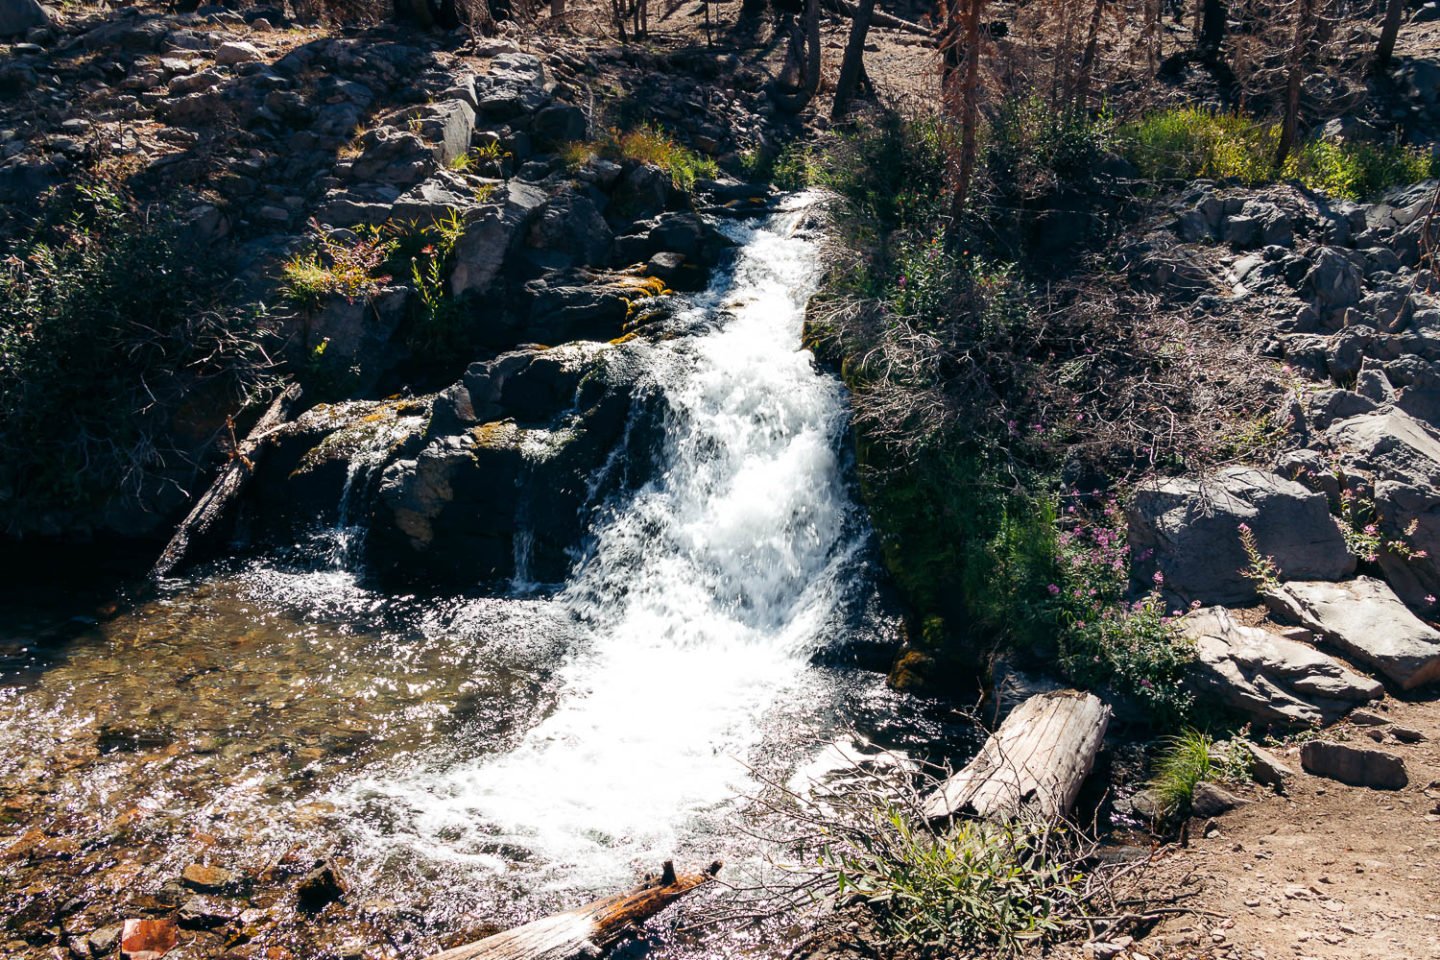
321,886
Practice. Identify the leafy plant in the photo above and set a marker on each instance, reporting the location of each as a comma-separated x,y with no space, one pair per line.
1260,568
336,268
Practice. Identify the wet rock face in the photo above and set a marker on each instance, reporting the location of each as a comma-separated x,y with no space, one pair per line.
1187,532
481,498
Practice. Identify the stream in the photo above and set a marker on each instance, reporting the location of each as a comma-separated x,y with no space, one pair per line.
478,760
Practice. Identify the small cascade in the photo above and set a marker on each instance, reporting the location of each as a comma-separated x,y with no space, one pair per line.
345,541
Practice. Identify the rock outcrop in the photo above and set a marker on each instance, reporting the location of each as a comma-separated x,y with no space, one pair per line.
1187,532
1364,618
1268,678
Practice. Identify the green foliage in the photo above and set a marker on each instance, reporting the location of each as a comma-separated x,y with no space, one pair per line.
1031,149
1188,142
1134,647
646,144
789,169
335,268
1186,761
981,885
1259,568
109,330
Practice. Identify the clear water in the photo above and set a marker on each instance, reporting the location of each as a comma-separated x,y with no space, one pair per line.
496,757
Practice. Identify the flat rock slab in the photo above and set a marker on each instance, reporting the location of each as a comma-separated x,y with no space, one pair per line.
1366,619
1357,766
1267,677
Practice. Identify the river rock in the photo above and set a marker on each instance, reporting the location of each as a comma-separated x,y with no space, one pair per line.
1366,619
1357,766
514,86
206,878
19,16
234,52
322,885
1187,531
205,913
1266,677
558,124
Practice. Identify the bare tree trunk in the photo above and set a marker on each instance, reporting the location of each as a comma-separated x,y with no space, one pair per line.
1087,61
557,12
969,109
1290,128
1394,13
804,48
1213,14
854,61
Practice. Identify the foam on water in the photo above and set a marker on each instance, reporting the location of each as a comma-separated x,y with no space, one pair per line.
699,605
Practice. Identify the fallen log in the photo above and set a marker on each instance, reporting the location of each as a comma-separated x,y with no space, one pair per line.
879,18
585,932
203,523
1035,762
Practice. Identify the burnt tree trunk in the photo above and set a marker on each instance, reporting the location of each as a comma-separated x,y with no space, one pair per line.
968,96
1034,763
1213,15
1087,61
1290,127
804,54
1385,49
854,62
205,522
586,931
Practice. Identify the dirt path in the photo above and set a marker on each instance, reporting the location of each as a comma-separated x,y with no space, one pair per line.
1327,871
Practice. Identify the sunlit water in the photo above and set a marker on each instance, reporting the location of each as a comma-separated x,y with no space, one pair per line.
501,756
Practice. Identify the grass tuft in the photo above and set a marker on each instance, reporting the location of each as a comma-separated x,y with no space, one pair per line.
1186,761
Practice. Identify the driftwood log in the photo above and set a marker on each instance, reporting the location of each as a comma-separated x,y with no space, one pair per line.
1034,763
203,524
585,932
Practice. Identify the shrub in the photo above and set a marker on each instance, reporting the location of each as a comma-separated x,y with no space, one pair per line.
1135,646
1030,148
978,885
336,268
1188,142
644,144
110,330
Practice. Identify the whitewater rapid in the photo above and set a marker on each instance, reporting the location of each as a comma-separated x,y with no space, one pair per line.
697,608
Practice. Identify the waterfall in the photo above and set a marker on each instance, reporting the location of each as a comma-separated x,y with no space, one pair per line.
698,606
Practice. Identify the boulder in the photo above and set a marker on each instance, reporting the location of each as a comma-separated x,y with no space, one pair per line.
1209,800
1357,766
19,16
1267,678
357,335
494,233
1364,618
643,191
1186,531
570,231
456,512
1402,453
1334,281
1265,767
558,124
448,126
234,52
437,198
514,86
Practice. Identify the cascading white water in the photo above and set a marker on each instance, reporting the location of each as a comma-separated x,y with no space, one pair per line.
699,605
